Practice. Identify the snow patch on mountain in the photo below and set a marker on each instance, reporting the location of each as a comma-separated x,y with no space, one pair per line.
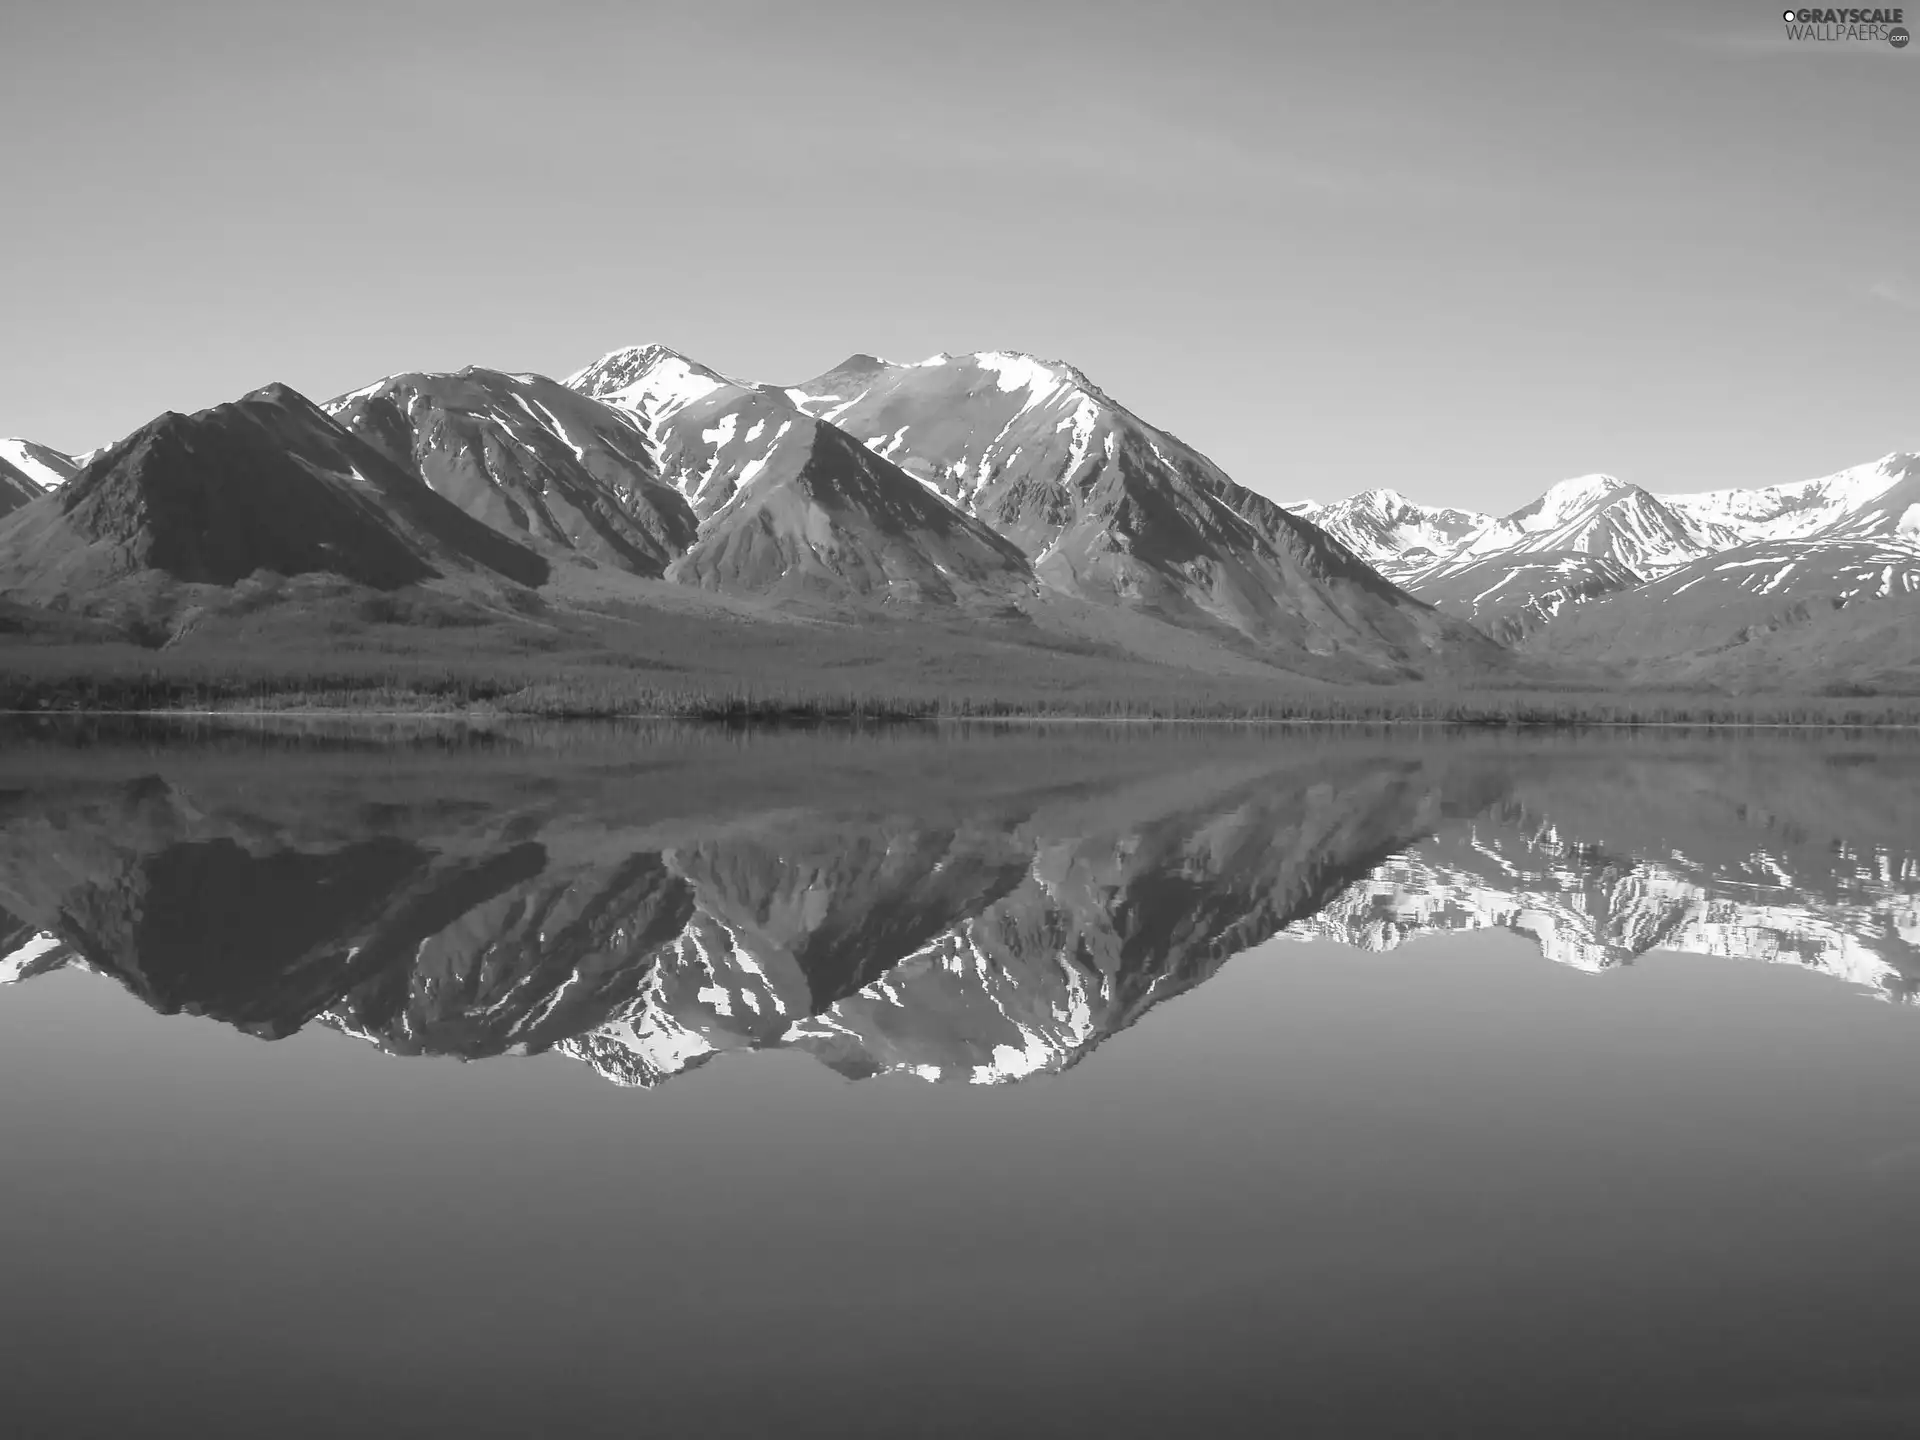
1798,510
42,464
1392,533
1598,515
31,958
654,380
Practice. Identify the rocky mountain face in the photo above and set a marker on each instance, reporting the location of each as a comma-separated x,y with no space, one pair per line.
789,506
708,436
268,483
1004,930
1107,508
530,458
16,490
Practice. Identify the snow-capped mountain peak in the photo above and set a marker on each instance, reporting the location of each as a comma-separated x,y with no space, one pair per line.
41,464
655,380
1748,561
1392,533
1035,381
1597,515
1015,370
1564,499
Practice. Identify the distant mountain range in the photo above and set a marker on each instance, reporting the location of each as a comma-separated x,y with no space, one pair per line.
1010,928
995,491
1758,584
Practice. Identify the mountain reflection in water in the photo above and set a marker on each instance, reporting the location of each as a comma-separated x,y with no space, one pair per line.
964,908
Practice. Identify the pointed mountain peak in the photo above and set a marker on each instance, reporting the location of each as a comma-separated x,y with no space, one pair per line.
856,369
629,364
1386,501
1564,497
280,395
642,377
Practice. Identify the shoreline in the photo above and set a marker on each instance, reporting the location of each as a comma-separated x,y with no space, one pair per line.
796,719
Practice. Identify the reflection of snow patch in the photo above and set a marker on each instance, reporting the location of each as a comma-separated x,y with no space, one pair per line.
1862,930
12,966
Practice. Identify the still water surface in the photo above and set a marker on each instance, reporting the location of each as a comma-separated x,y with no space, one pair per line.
973,1084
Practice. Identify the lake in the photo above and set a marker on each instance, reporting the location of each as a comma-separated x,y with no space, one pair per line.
600,1080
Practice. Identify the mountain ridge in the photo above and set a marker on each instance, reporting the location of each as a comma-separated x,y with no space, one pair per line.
1729,587
1108,508
997,488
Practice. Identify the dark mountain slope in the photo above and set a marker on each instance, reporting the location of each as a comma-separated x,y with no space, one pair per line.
16,490
829,520
531,458
266,483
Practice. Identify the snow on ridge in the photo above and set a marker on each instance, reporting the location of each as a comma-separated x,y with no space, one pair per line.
1798,508
27,457
630,366
1015,370
1387,529
654,380
1563,499
333,406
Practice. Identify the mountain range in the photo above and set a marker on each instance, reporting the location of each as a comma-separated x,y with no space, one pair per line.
1069,524
1766,586
991,495
976,913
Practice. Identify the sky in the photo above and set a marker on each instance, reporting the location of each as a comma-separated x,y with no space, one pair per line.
1463,250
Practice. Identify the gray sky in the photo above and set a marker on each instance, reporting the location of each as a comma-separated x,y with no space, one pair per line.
1464,250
